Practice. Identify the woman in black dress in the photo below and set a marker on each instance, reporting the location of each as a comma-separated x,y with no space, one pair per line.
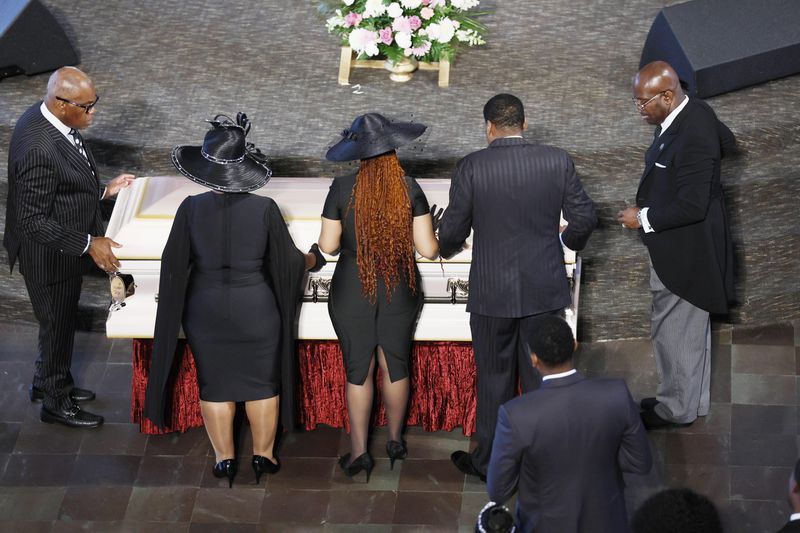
375,219
230,274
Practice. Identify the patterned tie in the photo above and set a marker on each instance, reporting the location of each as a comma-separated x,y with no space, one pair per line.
77,140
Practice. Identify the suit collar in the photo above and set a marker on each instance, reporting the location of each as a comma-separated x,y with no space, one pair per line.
563,382
71,153
53,120
507,141
666,138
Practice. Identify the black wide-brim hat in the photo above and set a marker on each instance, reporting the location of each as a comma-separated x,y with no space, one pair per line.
373,134
225,162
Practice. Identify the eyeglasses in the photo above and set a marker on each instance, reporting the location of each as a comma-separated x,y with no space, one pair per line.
87,108
641,107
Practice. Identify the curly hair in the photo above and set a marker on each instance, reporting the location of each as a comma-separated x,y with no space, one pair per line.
384,232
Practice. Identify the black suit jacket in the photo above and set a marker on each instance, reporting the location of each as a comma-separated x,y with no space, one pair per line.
792,526
52,204
511,194
563,448
691,247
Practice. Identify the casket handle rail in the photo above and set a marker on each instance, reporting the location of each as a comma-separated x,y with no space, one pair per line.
457,286
316,285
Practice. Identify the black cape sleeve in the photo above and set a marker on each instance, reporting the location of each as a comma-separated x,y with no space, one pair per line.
286,266
175,262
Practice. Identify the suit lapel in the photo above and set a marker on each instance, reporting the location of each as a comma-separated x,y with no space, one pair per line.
663,142
71,153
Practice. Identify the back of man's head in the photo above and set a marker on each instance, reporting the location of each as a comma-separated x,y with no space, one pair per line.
505,111
677,510
550,338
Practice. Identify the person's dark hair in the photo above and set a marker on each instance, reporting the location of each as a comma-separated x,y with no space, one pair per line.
504,111
550,338
677,510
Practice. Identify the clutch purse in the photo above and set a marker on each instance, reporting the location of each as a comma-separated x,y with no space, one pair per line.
122,286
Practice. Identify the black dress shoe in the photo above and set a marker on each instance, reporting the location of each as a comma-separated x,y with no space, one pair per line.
73,417
463,462
648,404
651,420
76,395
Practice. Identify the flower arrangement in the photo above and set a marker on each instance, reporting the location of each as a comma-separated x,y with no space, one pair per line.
426,30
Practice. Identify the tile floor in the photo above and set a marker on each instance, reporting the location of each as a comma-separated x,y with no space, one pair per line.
58,479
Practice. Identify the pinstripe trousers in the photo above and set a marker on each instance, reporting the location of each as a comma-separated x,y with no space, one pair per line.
56,307
681,335
502,358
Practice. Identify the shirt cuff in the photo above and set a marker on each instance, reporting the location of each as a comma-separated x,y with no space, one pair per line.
103,192
88,244
644,222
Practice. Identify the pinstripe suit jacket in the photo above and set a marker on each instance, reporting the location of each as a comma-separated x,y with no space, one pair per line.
511,195
52,204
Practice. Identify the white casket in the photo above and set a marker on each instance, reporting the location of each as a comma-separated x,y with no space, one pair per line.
142,219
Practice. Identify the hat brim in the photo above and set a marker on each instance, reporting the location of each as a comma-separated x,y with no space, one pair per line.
393,137
244,176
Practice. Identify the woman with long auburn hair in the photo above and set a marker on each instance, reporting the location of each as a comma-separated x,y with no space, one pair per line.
375,220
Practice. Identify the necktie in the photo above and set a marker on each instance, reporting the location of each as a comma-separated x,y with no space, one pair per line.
651,151
77,140
656,133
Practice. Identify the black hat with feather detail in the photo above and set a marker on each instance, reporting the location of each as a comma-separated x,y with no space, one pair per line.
225,162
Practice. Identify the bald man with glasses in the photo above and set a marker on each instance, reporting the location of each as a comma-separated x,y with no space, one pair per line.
680,216
54,230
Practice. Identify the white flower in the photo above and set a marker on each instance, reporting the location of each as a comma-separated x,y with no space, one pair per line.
464,4
403,39
394,10
471,37
374,8
349,2
364,41
442,31
335,21
411,4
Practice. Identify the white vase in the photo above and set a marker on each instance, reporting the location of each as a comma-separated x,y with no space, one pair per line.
403,70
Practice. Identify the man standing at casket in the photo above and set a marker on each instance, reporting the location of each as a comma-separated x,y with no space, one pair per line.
53,227
680,215
511,194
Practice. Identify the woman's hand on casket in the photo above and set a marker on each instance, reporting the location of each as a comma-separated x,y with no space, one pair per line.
319,259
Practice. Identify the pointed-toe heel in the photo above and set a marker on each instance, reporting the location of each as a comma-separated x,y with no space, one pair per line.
262,465
362,462
396,450
226,468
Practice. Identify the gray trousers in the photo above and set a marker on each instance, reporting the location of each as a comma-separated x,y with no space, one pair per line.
681,335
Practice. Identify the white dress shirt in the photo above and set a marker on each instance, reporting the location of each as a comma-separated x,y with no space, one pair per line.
559,375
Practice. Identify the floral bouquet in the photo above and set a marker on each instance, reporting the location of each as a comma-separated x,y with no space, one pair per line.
426,30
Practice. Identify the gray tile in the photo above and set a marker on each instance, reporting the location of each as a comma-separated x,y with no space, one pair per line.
9,431
718,421
751,516
161,504
764,419
214,505
38,470
430,475
39,438
117,378
30,503
763,390
94,503
629,356
761,359
296,506
382,478
105,470
361,507
169,470
114,439
194,442
304,473
768,334
713,481
683,448
427,508
721,373
757,449
760,482
26,526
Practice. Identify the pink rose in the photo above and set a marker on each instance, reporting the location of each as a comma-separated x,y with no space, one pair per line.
426,13
414,22
352,19
426,2
402,25
386,36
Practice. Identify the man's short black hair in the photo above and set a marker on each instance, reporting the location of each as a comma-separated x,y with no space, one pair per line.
504,111
550,338
677,510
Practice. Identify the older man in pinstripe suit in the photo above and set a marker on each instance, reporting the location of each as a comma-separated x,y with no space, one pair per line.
53,228
511,195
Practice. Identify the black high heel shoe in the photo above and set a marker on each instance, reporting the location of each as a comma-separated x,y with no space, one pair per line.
226,467
362,462
261,465
396,450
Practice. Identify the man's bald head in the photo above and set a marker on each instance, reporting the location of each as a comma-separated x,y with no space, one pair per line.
657,91
72,84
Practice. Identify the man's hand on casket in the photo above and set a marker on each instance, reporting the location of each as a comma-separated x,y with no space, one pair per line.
436,217
319,258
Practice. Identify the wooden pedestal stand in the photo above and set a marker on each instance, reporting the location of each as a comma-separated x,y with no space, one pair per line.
347,63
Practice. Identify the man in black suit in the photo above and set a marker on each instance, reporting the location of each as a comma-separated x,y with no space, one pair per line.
564,446
53,227
680,215
793,525
511,195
